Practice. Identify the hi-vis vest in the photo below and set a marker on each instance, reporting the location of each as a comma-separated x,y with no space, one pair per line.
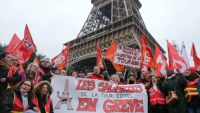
42,72
11,72
35,82
156,97
47,106
147,83
191,89
17,105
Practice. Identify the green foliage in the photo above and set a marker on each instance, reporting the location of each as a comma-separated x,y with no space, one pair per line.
3,47
40,56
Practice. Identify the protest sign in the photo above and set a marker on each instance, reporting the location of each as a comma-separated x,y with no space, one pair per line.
72,95
128,56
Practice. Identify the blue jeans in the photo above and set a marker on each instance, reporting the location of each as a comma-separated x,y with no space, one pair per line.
197,110
30,111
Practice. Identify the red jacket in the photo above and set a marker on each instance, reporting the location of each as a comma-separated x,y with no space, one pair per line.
95,76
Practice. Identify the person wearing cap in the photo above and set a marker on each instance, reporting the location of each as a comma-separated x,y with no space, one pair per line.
169,85
57,72
191,92
96,74
143,80
45,71
156,98
63,72
81,74
131,78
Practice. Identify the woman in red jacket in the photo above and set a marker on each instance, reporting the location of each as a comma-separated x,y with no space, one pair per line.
96,74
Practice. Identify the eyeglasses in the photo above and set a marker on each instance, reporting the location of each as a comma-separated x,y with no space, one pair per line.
26,85
35,66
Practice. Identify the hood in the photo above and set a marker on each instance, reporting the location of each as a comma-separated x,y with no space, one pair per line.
40,84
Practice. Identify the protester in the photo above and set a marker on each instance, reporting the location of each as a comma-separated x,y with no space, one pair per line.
81,74
73,73
57,72
42,99
8,73
106,76
32,73
23,66
156,98
191,92
19,99
120,75
96,74
115,79
63,72
169,85
131,78
45,71
89,74
143,80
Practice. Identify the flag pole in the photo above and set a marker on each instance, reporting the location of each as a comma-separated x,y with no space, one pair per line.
125,72
67,68
104,64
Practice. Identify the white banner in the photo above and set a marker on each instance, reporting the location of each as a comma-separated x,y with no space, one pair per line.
128,56
72,95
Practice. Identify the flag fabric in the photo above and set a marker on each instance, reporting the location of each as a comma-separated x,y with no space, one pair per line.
25,48
13,43
162,64
195,57
145,68
99,58
147,55
175,60
62,58
182,52
110,55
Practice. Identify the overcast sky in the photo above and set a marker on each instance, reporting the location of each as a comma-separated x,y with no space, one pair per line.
54,22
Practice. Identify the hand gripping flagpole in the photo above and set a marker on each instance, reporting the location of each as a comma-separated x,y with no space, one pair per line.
104,64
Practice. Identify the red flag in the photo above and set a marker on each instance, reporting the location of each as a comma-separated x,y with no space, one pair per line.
145,68
110,55
99,58
25,47
147,55
162,64
175,60
195,57
13,43
62,58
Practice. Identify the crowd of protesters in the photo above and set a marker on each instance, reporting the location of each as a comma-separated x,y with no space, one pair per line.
26,88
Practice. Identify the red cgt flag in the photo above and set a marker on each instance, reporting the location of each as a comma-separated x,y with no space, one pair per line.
147,55
13,43
175,60
99,58
25,47
62,58
162,64
110,55
195,57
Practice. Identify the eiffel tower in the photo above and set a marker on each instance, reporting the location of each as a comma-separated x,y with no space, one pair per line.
109,20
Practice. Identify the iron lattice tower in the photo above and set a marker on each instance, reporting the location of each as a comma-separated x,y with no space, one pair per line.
109,20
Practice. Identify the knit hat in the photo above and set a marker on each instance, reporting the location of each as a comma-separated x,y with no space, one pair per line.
130,74
169,70
192,69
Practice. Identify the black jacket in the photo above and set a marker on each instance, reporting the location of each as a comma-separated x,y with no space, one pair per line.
7,101
3,85
47,72
42,100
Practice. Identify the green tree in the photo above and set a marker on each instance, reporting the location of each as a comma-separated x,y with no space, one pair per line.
40,56
3,47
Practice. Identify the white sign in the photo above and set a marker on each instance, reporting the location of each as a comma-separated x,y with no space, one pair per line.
72,95
128,56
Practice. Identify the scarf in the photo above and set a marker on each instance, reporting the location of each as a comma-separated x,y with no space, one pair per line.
5,66
171,77
155,86
24,99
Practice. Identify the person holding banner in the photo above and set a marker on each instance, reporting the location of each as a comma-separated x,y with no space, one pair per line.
19,99
115,79
31,73
143,80
191,92
63,72
45,71
8,73
42,99
156,98
74,73
175,83
120,75
22,67
96,74
131,78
